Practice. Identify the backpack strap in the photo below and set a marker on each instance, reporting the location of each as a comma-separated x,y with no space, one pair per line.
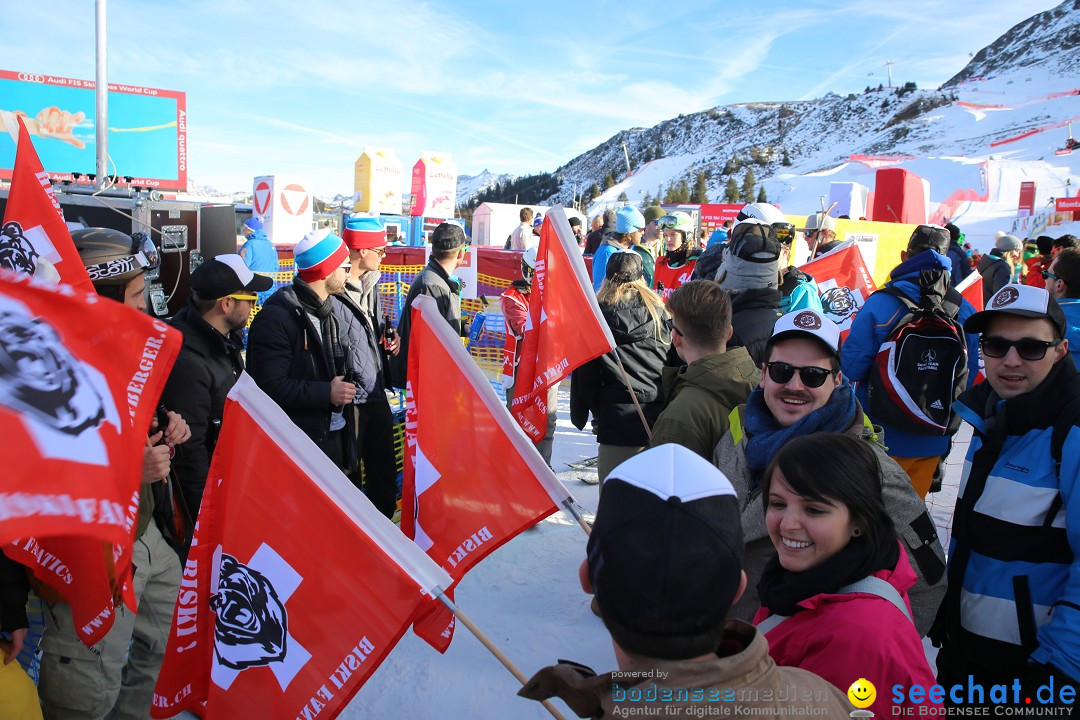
870,585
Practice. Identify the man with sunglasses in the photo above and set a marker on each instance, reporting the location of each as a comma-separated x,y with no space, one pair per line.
373,421
802,391
1062,280
223,294
1013,607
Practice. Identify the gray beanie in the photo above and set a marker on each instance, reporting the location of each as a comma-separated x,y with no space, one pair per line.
752,258
736,274
1008,242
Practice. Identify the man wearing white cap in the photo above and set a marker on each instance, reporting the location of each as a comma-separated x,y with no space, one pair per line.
223,292
1013,607
802,391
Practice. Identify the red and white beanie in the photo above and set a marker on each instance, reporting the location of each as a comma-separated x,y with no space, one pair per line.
320,253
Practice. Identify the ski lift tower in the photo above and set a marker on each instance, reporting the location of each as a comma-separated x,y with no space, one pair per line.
888,67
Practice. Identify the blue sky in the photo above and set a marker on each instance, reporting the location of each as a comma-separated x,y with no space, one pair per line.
300,87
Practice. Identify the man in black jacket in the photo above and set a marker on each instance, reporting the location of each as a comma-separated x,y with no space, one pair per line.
299,347
749,272
448,247
223,292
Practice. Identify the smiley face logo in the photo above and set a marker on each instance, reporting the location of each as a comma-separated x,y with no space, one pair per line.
862,693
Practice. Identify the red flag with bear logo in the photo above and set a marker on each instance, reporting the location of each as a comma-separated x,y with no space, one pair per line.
78,403
35,236
291,596
843,282
565,328
472,479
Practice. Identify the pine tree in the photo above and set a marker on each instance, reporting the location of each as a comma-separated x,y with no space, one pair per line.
748,186
786,162
648,154
593,190
761,196
701,191
731,190
623,197
647,200
609,182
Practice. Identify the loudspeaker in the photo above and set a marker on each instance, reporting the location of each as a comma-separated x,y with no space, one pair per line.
217,230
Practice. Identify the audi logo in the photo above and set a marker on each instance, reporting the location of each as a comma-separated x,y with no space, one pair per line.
28,77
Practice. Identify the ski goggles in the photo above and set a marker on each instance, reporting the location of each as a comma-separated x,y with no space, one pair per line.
785,232
811,376
141,243
1027,348
668,222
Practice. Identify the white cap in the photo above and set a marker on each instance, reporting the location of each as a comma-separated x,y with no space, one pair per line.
807,323
828,223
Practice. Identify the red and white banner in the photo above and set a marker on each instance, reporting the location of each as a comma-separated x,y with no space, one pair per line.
971,288
1067,204
78,404
565,328
35,237
296,588
472,480
843,281
79,381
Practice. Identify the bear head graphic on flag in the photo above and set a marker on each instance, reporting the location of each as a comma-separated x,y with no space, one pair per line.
252,625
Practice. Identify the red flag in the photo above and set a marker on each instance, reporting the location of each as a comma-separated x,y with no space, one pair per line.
971,288
80,378
78,404
296,588
472,480
37,236
565,329
844,283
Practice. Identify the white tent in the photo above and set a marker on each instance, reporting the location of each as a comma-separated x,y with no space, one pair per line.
493,222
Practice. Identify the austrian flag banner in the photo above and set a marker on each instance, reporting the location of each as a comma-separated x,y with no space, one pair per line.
80,377
296,587
843,281
35,237
472,480
565,329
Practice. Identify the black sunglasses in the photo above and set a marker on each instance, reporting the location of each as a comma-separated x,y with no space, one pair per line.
1047,275
1026,348
811,377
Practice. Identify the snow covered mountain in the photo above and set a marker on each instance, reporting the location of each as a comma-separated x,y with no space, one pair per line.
995,124
1049,41
469,185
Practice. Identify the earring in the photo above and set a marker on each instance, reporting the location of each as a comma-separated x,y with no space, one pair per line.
856,532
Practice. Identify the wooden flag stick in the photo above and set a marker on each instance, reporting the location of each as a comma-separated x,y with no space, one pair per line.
820,222
572,509
486,642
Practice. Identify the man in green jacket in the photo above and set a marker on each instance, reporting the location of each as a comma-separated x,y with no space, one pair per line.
702,393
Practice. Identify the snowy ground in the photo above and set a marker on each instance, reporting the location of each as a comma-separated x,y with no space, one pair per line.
526,597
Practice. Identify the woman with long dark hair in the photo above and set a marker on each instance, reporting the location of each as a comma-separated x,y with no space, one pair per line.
834,598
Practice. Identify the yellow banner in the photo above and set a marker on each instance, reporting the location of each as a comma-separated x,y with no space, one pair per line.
880,242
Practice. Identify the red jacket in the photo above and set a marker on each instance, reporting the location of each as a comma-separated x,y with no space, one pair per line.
844,637
515,309
666,278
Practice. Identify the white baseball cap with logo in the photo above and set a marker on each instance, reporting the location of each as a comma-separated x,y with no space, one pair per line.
807,323
1023,301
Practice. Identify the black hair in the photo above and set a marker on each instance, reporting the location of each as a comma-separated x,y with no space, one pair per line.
828,466
1067,241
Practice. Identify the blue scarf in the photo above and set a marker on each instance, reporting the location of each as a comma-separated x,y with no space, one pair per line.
764,436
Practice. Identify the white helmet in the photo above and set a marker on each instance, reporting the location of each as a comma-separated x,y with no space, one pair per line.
678,220
762,211
529,258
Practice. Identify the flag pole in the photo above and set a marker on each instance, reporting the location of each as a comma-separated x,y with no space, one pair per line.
630,389
486,642
568,503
